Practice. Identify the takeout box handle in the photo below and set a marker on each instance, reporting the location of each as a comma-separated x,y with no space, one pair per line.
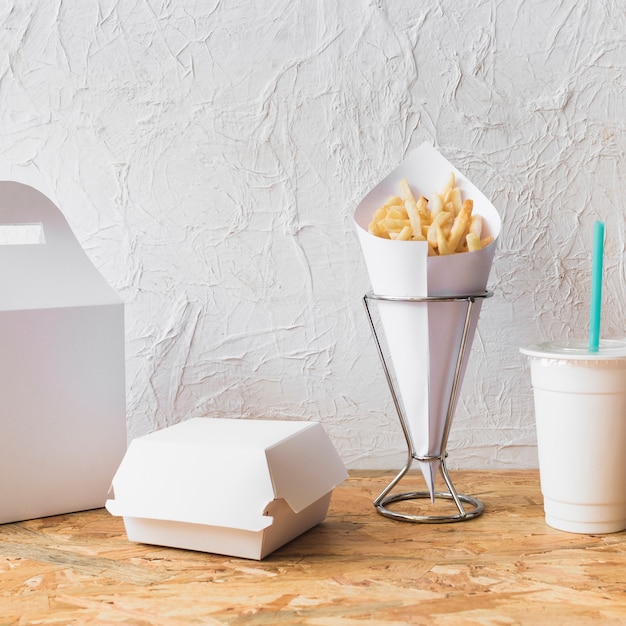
21,204
56,272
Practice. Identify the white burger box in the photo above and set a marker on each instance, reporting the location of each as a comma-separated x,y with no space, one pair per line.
239,487
62,376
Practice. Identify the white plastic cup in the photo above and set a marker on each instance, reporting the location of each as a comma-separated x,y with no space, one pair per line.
580,413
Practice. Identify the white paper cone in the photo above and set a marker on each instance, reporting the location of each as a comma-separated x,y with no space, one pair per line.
423,339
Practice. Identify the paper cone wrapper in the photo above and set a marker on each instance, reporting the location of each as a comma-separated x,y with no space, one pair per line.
423,339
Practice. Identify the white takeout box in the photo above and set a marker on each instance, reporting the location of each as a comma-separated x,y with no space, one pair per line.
62,378
238,487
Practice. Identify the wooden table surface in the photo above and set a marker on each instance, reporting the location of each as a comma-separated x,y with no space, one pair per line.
504,567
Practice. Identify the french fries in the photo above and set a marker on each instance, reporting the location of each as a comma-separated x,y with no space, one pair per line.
445,221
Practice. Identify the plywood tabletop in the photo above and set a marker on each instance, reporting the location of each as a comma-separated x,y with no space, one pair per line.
504,567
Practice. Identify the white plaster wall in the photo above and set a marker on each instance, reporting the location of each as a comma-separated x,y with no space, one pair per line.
209,154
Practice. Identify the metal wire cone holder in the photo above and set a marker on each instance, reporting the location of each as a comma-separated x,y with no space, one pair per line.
386,498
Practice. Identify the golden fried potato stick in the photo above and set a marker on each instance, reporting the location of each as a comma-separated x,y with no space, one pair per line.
450,183
405,234
422,208
442,243
473,242
454,200
476,225
411,207
396,213
435,205
389,224
442,220
375,229
461,224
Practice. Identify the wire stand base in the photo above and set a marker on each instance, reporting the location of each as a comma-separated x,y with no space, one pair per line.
385,498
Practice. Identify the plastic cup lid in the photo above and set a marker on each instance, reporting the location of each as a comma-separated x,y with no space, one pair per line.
577,349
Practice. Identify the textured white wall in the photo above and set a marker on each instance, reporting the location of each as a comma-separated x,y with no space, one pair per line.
209,155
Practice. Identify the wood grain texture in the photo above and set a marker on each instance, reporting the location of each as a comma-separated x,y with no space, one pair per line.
505,567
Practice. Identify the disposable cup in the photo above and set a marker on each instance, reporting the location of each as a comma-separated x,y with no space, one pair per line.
580,413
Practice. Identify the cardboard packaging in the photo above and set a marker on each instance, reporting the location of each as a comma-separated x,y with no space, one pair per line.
238,487
62,378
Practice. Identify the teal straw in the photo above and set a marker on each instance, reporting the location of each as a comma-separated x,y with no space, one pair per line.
596,287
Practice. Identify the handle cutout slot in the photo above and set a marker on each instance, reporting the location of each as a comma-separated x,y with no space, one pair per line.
21,234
